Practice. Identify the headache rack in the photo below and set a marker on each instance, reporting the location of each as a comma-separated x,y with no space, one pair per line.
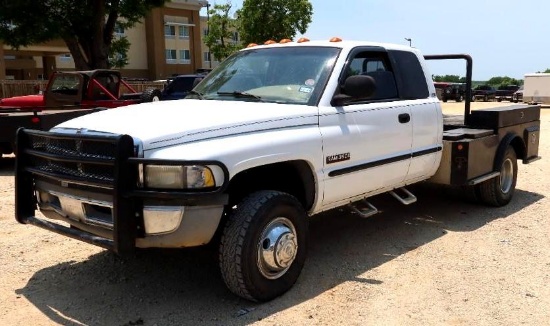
102,165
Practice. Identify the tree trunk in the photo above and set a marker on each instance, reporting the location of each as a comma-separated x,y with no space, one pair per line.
80,61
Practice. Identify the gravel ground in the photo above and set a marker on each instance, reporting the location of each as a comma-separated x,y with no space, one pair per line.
440,261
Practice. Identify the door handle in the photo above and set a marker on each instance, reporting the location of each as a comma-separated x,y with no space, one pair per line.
404,118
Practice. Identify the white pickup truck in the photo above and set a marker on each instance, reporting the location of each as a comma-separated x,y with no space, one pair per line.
277,133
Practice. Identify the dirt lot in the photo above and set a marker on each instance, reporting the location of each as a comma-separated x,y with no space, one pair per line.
438,262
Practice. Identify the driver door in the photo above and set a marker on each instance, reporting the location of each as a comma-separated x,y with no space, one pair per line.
367,144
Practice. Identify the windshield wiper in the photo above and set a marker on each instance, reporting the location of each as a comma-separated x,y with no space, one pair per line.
239,94
199,94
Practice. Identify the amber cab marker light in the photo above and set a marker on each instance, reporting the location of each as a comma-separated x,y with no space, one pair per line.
269,42
335,39
303,39
251,45
285,40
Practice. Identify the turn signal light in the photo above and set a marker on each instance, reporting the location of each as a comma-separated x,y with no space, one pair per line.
269,42
251,45
303,39
335,39
285,40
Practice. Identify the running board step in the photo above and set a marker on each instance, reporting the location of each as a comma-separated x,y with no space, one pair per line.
408,199
365,211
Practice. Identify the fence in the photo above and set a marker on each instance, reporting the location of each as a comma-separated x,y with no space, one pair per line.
11,88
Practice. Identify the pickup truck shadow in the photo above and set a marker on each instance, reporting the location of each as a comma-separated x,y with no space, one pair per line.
7,165
183,287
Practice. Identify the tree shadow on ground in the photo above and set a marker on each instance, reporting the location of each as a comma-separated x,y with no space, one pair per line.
181,287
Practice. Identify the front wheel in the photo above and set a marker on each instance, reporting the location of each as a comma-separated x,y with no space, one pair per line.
499,191
151,95
263,245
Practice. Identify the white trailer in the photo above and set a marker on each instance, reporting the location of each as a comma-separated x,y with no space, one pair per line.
537,88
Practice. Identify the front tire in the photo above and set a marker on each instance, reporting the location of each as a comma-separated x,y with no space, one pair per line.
151,95
263,245
499,191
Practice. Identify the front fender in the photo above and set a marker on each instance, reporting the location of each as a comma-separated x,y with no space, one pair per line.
245,151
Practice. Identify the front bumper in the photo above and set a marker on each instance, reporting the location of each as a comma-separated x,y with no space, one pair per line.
91,183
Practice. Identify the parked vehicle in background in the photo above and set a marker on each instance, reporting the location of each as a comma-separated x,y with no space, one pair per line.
451,91
180,86
518,95
506,92
484,93
67,95
537,88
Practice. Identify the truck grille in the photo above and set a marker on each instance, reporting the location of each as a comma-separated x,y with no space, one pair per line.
89,158
87,178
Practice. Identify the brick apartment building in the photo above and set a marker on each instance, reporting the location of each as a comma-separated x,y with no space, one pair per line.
168,41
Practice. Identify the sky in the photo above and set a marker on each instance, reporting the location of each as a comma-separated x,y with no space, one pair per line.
504,38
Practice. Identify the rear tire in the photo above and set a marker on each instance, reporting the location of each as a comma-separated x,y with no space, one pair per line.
263,246
500,190
151,95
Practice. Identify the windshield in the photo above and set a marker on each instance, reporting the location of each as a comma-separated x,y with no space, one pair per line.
295,75
66,83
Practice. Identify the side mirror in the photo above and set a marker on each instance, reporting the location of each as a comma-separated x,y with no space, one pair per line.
355,88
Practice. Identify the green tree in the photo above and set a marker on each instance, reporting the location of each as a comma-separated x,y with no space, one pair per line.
262,20
449,78
118,52
86,27
503,81
221,28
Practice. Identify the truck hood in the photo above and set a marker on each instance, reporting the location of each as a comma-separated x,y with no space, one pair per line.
161,124
23,101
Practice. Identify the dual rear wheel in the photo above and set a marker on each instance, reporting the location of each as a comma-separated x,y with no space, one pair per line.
500,190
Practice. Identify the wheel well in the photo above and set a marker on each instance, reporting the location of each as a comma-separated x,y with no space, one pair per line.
519,147
293,177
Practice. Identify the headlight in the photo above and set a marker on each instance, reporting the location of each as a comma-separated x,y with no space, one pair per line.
177,176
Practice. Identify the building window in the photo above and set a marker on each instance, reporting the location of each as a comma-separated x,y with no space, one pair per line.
235,37
206,56
119,30
169,31
184,31
185,57
205,32
171,56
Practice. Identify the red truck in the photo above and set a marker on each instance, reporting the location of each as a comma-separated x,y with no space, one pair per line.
67,95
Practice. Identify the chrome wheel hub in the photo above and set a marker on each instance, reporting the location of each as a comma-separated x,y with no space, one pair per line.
506,176
277,248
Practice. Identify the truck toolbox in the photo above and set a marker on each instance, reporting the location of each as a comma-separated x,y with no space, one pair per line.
467,155
500,117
